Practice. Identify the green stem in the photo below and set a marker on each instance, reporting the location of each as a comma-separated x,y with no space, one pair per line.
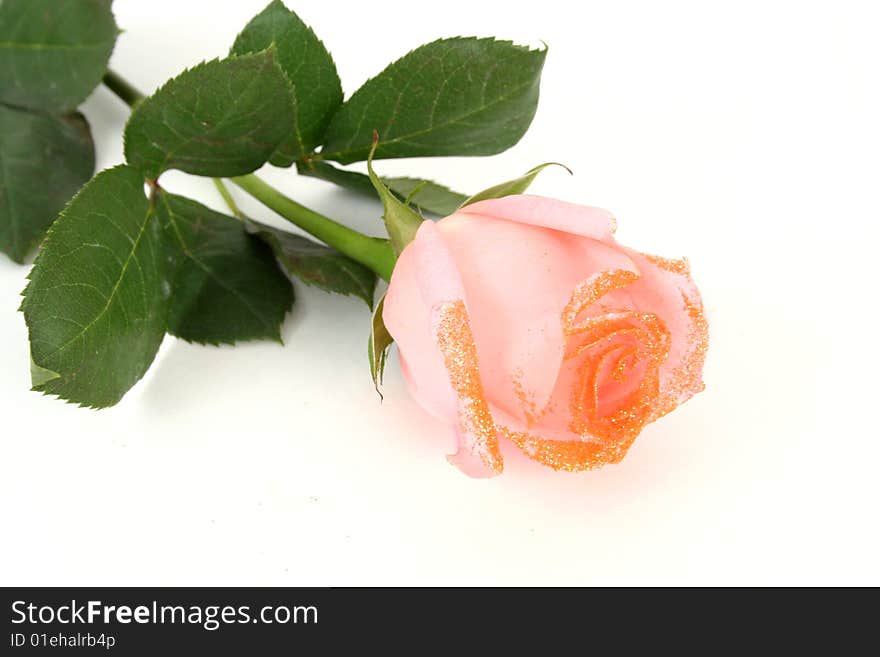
120,86
374,252
227,197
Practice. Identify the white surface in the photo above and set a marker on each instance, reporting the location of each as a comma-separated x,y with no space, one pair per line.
744,135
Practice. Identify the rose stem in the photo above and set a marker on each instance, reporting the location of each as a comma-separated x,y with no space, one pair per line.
121,87
374,252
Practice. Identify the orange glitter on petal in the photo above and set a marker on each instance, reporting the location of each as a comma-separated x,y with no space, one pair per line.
590,291
686,379
601,336
456,342
613,346
682,266
570,455
647,340
527,400
623,364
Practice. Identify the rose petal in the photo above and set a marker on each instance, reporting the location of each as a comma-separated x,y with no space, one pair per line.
581,220
569,452
409,322
666,289
441,290
517,294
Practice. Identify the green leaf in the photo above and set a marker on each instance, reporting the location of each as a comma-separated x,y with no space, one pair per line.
53,52
318,265
425,194
379,344
401,221
429,196
97,298
317,91
44,160
511,187
225,284
462,96
221,118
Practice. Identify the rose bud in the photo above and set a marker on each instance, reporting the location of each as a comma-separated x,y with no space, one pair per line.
521,321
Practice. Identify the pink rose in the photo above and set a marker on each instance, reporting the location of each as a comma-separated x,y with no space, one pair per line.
521,321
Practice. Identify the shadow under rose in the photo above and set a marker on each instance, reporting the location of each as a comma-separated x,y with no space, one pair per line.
187,377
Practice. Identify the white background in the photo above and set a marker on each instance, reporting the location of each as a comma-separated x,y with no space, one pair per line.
743,135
